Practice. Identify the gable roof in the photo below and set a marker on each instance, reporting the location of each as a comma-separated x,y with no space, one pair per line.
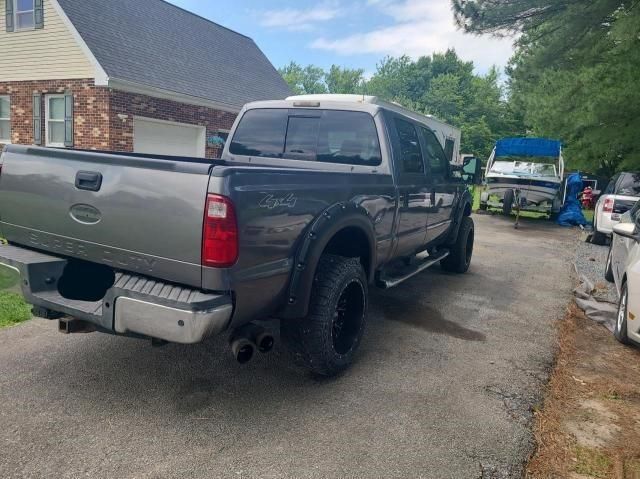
156,44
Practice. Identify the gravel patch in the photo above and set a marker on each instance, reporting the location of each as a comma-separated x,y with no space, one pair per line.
590,262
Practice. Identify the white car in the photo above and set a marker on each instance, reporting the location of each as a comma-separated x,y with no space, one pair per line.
623,268
618,197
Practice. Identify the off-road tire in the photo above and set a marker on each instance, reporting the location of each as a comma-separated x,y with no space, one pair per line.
597,237
608,270
461,251
507,202
620,329
318,342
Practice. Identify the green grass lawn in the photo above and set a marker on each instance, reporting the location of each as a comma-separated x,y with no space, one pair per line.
475,191
13,309
524,214
588,214
8,278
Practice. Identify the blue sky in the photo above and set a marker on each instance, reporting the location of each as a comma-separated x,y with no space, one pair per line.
353,33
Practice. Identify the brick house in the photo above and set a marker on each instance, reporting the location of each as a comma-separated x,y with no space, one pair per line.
139,76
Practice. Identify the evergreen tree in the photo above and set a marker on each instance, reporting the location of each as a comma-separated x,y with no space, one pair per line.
574,75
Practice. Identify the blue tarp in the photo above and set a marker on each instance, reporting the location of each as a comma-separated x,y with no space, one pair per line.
528,147
571,212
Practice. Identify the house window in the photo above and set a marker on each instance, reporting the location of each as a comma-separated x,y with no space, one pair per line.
54,125
5,119
25,14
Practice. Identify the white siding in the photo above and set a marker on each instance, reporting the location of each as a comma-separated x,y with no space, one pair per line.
51,53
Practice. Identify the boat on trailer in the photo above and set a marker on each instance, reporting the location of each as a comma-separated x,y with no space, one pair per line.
525,173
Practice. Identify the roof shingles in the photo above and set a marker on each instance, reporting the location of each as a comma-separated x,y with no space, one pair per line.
156,44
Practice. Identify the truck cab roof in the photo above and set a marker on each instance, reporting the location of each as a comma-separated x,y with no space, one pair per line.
368,103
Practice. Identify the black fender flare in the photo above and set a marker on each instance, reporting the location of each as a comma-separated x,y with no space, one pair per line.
465,199
313,243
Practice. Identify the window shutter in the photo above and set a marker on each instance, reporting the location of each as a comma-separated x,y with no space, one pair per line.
38,13
37,119
8,6
68,118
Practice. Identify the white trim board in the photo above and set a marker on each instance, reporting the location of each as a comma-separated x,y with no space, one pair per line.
166,122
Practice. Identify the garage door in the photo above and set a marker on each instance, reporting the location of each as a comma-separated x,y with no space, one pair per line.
168,138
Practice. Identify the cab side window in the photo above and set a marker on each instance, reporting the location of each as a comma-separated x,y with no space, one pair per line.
438,163
449,147
410,151
611,186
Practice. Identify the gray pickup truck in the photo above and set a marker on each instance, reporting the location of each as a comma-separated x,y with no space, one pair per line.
313,201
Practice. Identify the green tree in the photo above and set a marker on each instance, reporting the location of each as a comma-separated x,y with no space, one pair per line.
504,16
394,79
344,80
574,74
304,80
313,80
445,86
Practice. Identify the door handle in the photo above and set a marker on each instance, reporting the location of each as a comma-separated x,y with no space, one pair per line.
88,180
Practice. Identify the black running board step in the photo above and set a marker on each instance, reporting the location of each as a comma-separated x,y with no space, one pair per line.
386,282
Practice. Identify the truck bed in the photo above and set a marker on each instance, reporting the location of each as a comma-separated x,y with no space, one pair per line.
147,215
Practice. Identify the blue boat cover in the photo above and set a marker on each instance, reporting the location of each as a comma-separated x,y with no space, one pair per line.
528,147
571,212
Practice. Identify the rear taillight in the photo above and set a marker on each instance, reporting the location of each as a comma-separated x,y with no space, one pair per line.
219,233
608,205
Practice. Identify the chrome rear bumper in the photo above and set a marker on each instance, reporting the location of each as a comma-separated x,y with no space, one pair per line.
133,306
171,324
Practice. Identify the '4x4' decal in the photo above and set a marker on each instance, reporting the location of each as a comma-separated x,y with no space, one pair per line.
270,202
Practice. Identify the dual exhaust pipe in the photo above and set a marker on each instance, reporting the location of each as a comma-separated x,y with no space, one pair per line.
244,341
247,339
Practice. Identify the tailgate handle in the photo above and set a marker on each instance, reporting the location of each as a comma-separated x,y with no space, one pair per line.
88,180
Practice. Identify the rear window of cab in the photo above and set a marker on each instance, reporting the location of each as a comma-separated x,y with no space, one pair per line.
629,185
329,136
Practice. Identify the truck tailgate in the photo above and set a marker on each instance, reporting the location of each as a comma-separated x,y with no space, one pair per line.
145,215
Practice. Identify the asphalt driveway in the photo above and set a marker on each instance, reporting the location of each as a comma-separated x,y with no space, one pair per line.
449,370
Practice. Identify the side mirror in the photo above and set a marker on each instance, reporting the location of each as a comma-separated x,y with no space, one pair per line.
472,171
628,230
